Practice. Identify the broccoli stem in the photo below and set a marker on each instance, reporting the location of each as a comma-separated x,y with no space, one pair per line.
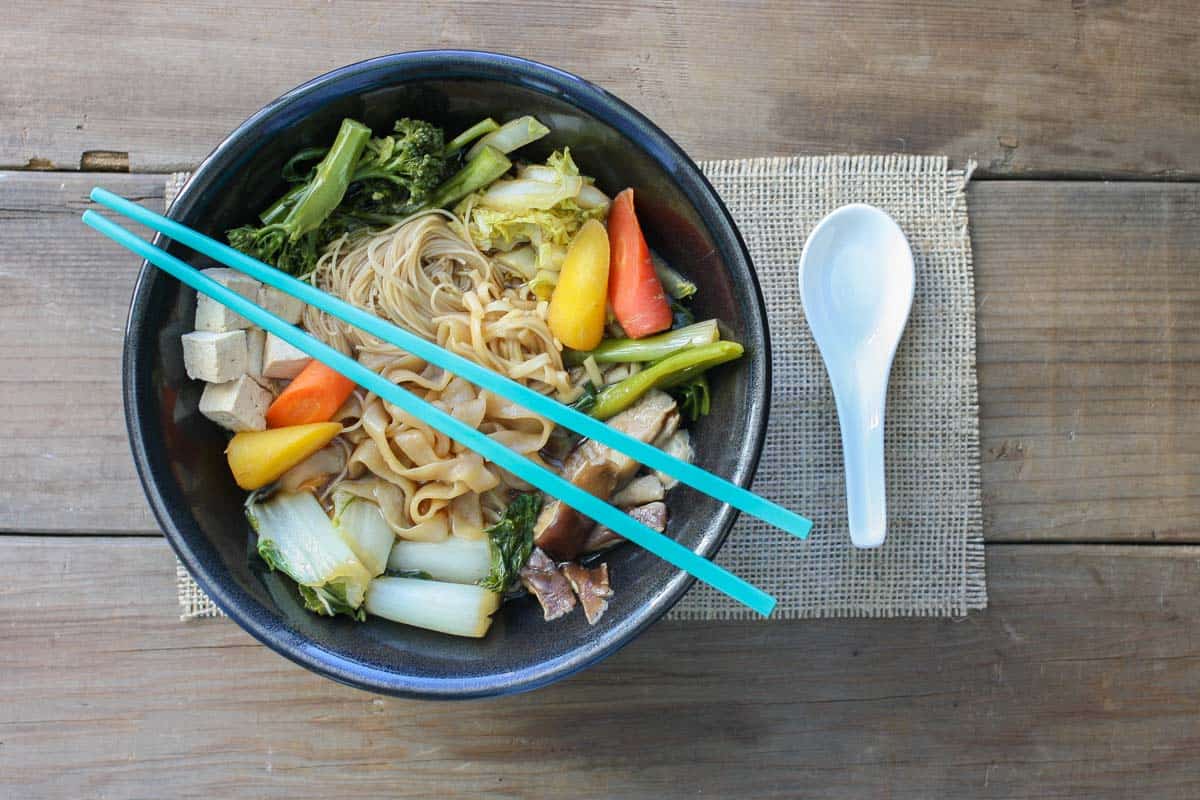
671,371
279,209
481,128
352,138
325,191
651,348
481,170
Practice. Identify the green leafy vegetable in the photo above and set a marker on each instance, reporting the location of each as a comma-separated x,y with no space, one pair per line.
587,400
511,136
649,348
674,370
453,559
512,542
693,397
331,599
364,182
544,207
681,315
675,284
481,170
296,537
481,128
292,243
454,608
362,526
268,552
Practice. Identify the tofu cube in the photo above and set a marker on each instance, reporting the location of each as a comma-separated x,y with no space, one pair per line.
282,305
237,405
211,315
281,360
256,339
214,357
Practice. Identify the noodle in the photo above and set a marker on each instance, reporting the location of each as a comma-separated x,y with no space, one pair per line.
423,276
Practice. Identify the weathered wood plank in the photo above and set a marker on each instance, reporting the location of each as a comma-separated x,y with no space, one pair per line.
1088,294
1023,87
1081,680
65,462
1088,300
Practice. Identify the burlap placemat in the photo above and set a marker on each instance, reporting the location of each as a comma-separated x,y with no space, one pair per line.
932,563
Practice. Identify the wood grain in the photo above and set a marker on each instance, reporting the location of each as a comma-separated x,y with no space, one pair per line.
1088,299
1089,338
65,462
1024,87
1082,680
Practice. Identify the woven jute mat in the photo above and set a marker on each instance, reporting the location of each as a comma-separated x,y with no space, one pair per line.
932,563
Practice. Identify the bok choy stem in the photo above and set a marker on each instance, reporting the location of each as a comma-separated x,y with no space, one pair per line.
481,170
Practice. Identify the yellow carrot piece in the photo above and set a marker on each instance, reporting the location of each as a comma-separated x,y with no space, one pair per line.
258,457
577,306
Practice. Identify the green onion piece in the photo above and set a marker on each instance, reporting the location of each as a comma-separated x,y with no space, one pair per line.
651,348
481,128
671,371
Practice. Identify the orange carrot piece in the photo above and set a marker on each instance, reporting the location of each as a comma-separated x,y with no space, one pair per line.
314,395
634,290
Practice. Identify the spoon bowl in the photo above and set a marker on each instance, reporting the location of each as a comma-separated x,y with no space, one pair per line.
856,285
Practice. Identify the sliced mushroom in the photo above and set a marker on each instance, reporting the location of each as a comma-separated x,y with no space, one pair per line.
592,587
652,515
645,421
679,445
541,578
639,491
560,530
669,427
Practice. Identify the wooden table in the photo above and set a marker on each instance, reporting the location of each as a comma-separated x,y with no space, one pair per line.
1081,680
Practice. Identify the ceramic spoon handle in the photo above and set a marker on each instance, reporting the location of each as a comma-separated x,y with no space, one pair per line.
861,421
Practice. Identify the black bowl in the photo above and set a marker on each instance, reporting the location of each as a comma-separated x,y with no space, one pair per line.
179,453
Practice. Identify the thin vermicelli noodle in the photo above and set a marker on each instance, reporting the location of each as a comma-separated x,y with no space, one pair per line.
422,275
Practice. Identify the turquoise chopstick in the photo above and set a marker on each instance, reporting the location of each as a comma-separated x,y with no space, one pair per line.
667,549
697,477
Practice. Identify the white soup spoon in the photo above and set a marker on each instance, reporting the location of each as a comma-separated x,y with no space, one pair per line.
856,284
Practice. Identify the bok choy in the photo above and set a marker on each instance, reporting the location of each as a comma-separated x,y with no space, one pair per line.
456,560
363,528
454,608
297,538
511,541
542,208
511,136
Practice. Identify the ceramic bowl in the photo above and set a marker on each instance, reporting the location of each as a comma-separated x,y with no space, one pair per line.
179,453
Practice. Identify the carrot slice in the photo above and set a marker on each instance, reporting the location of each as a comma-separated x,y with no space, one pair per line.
314,395
634,290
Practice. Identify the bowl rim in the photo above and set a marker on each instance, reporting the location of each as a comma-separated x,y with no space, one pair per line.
245,610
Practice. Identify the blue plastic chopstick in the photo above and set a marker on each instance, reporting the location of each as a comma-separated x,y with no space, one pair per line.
697,477
667,549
